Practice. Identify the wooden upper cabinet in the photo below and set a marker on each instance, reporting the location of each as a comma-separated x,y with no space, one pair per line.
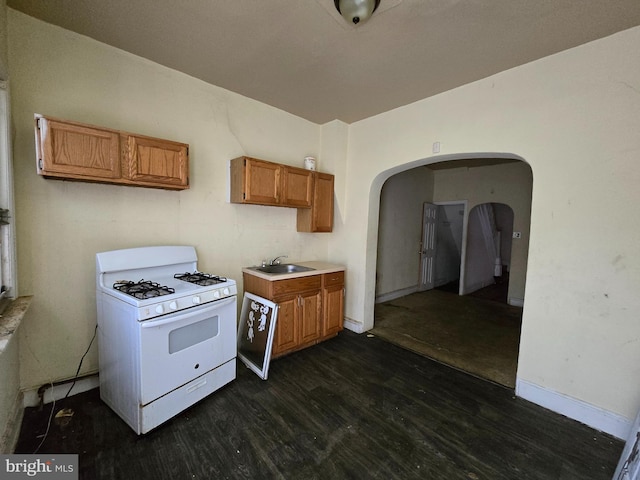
319,218
255,181
297,187
76,151
156,162
72,150
266,183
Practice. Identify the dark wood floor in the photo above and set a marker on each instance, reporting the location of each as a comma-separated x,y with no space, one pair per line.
352,407
474,333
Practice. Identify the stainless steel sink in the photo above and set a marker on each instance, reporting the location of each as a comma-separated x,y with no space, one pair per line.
283,268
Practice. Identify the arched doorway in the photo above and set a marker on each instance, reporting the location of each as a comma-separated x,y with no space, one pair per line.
399,234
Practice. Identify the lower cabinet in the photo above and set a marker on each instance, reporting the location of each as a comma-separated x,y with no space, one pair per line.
333,304
310,309
298,322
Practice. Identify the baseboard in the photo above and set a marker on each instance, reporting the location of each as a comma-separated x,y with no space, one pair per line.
353,325
9,438
516,302
594,417
386,297
59,391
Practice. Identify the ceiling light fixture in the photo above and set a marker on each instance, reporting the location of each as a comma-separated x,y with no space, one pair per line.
356,11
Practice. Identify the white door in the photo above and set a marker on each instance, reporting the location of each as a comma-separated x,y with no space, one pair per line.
428,246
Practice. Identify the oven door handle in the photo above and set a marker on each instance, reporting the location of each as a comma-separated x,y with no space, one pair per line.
213,305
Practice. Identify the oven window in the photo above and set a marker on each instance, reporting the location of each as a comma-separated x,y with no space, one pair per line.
185,337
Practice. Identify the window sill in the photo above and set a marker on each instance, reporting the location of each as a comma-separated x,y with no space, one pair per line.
11,318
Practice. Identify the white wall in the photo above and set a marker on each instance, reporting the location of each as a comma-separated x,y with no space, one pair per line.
574,118
62,225
400,231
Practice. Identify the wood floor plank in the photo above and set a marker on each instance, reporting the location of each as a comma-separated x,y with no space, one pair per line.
353,407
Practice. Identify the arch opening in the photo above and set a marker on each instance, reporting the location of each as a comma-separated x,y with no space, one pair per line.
467,191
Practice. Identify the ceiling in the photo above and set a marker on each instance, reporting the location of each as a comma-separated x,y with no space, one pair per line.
302,57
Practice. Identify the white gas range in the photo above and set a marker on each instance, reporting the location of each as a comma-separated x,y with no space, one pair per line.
166,332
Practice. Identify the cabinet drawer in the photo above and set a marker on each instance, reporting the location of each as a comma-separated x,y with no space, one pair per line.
296,285
335,278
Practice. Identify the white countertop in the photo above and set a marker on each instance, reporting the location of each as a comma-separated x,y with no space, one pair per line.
319,268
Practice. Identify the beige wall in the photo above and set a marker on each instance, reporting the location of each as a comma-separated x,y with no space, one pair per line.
62,225
574,118
509,184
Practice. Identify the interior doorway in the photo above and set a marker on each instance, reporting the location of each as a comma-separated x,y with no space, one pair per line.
489,332
450,245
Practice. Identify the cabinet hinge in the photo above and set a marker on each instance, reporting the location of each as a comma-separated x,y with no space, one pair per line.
244,196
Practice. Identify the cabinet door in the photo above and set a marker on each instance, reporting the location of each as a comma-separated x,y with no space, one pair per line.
310,307
157,162
70,150
286,336
319,218
333,312
261,182
297,187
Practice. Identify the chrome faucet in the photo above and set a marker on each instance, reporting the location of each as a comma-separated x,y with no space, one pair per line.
276,261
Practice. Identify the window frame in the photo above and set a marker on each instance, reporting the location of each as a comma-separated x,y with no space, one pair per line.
8,267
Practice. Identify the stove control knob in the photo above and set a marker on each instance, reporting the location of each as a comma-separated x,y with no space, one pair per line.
216,294
173,305
159,309
196,299
225,291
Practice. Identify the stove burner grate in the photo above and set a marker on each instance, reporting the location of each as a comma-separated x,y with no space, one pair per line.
199,278
143,289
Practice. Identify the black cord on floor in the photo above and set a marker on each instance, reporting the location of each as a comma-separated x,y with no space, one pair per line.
95,331
53,406
44,437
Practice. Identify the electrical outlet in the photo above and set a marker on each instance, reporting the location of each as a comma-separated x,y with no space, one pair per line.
517,234
436,147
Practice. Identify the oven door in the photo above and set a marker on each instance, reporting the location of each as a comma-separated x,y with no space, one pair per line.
177,348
